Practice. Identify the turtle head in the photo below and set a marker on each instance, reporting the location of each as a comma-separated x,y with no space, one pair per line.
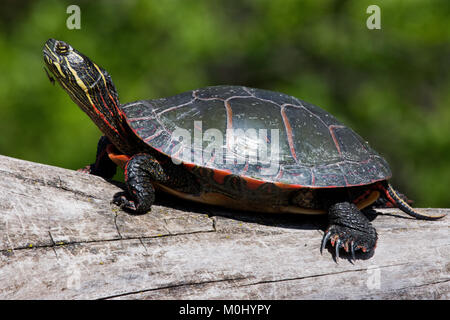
83,80
89,86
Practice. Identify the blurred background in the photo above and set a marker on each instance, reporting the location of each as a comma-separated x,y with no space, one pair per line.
390,85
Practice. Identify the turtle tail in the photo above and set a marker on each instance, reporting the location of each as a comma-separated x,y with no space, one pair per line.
393,197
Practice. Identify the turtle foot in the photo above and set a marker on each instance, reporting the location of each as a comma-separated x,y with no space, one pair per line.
121,200
348,239
349,229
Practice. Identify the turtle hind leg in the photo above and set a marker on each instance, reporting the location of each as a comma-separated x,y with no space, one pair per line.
140,171
349,229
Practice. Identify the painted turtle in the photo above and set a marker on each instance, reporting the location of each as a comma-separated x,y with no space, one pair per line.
316,164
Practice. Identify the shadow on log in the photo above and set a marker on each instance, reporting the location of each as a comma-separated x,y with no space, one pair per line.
62,238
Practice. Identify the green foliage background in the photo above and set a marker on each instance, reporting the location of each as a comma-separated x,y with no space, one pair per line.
390,85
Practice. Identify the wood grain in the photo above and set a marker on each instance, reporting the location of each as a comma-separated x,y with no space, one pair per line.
62,238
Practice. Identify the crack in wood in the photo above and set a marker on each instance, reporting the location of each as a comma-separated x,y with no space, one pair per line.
71,243
318,275
53,244
179,285
49,183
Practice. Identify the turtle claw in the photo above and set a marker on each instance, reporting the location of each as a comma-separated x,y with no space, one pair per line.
352,249
349,240
121,200
325,239
337,247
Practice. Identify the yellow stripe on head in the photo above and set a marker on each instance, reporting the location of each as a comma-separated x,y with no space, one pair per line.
56,64
79,81
101,73
51,52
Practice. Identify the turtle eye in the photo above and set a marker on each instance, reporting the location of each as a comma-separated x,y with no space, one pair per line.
61,48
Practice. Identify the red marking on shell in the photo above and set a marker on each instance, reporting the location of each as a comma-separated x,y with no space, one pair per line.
279,175
177,153
252,183
245,168
189,165
229,112
141,118
333,135
211,161
176,107
219,176
282,185
331,129
313,178
287,125
153,136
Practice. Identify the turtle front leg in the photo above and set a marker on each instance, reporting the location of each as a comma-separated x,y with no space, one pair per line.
103,166
140,171
349,229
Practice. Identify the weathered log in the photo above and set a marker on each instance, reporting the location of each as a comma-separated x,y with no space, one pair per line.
62,238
